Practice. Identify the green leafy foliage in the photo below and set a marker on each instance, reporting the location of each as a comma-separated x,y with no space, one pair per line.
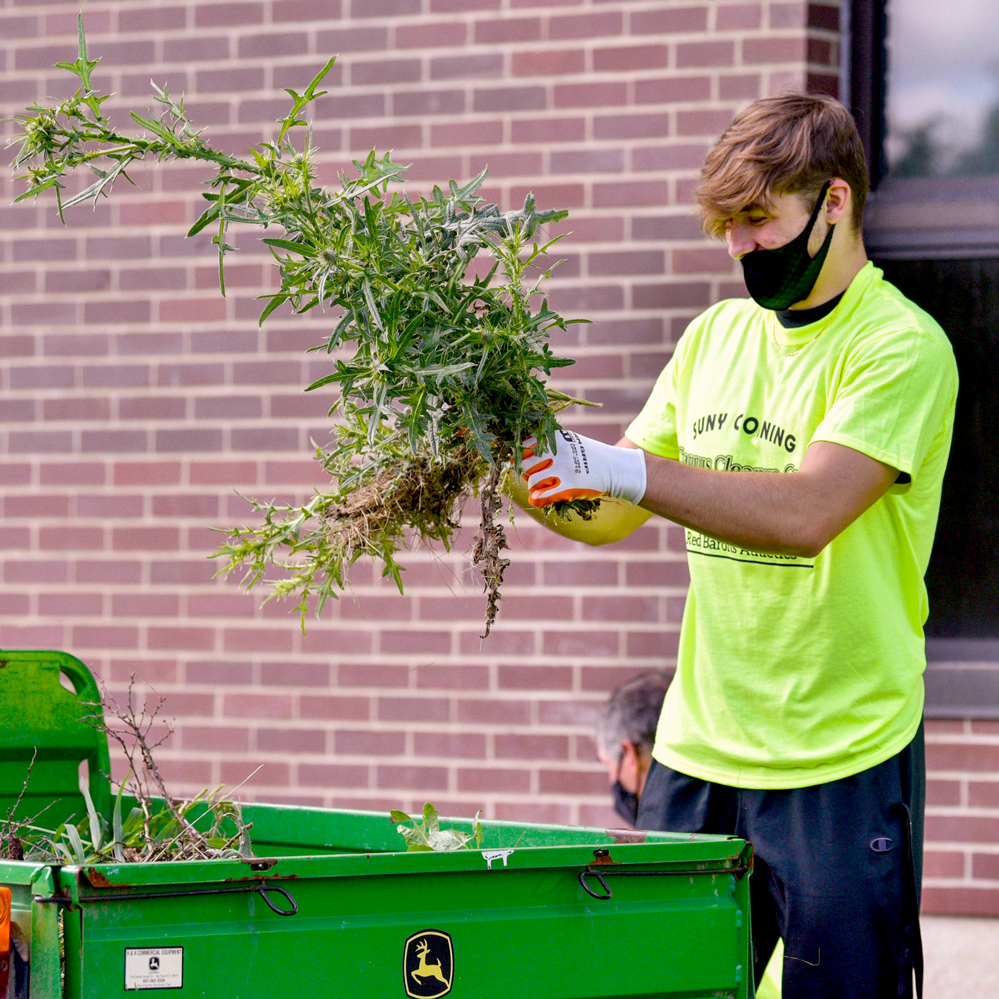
151,832
425,834
448,364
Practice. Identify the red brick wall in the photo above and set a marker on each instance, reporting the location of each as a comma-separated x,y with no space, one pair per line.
135,399
962,818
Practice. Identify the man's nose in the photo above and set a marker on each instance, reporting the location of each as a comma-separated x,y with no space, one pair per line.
740,240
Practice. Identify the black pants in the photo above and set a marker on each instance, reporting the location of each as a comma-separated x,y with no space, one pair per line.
837,870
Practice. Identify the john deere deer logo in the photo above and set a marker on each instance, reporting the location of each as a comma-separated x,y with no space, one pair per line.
428,964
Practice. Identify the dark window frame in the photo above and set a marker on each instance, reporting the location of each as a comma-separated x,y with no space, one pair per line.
868,65
962,676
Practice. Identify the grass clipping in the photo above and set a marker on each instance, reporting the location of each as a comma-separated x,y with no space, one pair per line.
440,366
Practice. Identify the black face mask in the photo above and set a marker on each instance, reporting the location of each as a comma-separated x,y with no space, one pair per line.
778,278
625,803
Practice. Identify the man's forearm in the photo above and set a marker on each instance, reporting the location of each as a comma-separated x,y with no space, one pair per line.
753,510
794,513
786,513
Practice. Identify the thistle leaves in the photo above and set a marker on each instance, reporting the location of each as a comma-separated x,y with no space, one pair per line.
301,100
439,364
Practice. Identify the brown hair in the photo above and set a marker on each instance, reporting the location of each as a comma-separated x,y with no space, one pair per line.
789,144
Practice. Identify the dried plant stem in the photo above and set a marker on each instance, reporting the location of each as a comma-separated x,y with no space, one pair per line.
490,541
11,847
135,746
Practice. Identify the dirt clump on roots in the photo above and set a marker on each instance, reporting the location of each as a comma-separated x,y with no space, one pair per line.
427,496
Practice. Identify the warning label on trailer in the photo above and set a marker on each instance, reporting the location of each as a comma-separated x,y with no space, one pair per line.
154,967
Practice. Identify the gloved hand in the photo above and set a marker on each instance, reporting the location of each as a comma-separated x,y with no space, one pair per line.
582,468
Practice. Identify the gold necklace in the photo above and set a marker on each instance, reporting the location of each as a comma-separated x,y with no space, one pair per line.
770,320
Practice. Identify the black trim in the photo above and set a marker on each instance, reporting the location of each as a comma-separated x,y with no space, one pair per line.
129,896
933,244
599,873
868,62
754,561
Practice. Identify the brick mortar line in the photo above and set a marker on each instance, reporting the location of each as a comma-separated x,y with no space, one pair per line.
961,812
989,849
312,28
116,74
671,210
328,727
296,757
205,259
640,5
970,738
265,391
966,724
144,422
967,882
544,13
417,728
523,661
149,620
200,259
527,798
219,625
973,775
966,778
222,325
403,758
435,593
492,83
139,327
200,264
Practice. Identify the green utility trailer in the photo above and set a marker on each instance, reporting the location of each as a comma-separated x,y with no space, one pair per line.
332,907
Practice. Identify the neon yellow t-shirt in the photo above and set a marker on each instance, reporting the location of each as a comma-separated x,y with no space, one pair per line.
797,671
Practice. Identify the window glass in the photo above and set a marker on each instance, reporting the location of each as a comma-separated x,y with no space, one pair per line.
942,88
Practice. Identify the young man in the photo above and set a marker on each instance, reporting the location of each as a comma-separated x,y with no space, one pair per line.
800,437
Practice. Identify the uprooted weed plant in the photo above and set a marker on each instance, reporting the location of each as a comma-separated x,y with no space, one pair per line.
448,365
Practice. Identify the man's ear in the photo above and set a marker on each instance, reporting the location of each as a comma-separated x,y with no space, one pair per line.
839,197
631,764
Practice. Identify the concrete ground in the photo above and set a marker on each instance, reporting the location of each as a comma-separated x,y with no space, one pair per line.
961,957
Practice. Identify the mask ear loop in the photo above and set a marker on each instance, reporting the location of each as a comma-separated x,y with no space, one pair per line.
819,205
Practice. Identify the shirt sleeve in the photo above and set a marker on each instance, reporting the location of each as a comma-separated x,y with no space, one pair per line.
654,429
895,394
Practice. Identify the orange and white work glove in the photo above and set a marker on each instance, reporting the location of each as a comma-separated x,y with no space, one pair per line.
582,468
